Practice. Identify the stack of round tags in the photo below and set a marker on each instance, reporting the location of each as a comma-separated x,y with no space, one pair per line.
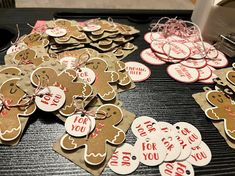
192,60
174,148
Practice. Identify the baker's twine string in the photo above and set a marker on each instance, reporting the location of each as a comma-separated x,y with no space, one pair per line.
82,61
80,108
18,36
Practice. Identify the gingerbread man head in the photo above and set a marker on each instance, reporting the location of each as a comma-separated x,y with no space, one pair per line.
10,71
97,65
217,98
35,39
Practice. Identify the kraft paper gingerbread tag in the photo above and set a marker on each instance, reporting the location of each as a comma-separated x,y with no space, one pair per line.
12,108
230,75
105,131
35,39
103,78
223,109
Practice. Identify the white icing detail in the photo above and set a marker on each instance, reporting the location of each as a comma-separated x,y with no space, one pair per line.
110,92
115,137
95,155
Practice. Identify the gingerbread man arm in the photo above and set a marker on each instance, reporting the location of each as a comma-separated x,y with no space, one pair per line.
118,137
212,113
69,74
28,110
112,76
68,142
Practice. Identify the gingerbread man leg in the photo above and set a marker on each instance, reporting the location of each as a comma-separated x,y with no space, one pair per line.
68,142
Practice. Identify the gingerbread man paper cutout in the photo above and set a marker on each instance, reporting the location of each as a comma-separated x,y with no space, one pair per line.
10,126
103,78
231,76
13,71
72,31
28,56
105,26
35,39
124,78
223,110
105,131
64,80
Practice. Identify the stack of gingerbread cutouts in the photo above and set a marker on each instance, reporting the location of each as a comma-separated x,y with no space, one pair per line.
73,70
218,103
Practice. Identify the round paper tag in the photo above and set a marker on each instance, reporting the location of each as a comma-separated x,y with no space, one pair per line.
151,36
190,132
144,126
210,79
53,99
148,56
157,46
124,160
151,151
16,48
56,32
204,73
78,125
176,50
91,27
211,52
86,75
165,58
175,38
176,168
182,73
196,51
68,61
194,63
201,155
137,71
185,147
219,62
166,128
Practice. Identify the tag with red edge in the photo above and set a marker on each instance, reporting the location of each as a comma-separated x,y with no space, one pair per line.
157,46
201,155
137,71
52,99
56,32
176,50
68,61
16,48
86,75
182,73
196,51
219,62
151,151
151,36
190,132
176,168
124,160
194,63
148,56
210,80
204,73
78,125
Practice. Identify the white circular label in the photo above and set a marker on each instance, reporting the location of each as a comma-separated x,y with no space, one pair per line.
151,36
56,32
176,50
91,27
148,56
151,151
166,128
124,160
219,62
78,125
175,38
157,46
185,147
204,73
176,168
211,51
196,51
69,61
16,48
210,79
165,58
52,99
194,63
137,71
86,75
201,155
182,73
190,132
144,126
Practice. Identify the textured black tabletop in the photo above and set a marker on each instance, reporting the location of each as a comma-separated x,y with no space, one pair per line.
159,97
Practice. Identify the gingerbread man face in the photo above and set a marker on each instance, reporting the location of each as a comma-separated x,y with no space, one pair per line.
105,131
217,98
65,81
10,126
103,78
224,110
10,71
34,39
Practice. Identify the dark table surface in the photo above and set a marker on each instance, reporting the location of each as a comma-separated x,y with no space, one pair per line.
159,97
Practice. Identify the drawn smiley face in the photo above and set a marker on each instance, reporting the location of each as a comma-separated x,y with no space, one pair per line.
11,71
231,77
112,112
217,98
34,37
97,64
25,55
43,75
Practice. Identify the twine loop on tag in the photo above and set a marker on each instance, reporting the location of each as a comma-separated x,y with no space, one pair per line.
18,36
82,61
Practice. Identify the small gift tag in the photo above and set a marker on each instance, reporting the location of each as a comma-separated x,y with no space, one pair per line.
166,128
56,32
157,46
219,62
176,50
16,48
91,27
209,80
151,151
196,50
144,126
204,73
53,99
68,61
86,75
148,56
211,52
137,71
78,125
201,155
182,73
176,168
194,63
190,132
185,147
151,36
124,160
